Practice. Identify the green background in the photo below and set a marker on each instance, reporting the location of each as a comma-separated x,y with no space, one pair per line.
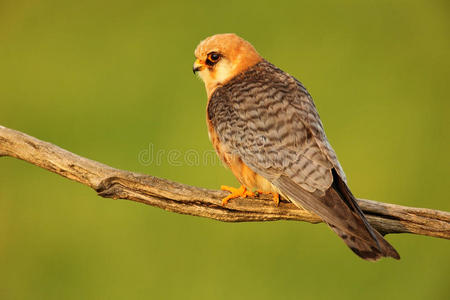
108,80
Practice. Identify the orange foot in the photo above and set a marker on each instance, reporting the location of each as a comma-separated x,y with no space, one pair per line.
276,196
235,193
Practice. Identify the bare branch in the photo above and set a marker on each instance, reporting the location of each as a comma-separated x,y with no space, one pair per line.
172,196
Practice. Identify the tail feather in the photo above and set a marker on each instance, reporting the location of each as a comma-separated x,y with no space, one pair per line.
338,208
345,194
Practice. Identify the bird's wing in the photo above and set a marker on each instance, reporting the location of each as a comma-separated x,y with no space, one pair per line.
266,118
269,120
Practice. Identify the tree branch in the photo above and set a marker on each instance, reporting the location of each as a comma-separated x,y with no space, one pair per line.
180,198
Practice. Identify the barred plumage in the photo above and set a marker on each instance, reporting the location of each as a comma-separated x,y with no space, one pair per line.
269,120
265,127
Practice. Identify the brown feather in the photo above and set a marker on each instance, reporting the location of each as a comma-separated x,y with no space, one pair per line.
340,211
264,125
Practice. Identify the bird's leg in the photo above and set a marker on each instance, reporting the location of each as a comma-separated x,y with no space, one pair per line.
275,196
235,193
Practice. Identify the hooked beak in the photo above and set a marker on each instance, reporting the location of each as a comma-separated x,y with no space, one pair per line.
197,66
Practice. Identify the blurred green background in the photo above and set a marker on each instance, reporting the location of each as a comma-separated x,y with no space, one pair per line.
109,79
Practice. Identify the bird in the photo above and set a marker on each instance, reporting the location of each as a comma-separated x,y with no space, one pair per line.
265,127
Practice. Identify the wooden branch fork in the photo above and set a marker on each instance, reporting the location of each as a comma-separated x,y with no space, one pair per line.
184,199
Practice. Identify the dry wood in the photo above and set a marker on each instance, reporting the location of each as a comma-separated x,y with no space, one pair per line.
180,198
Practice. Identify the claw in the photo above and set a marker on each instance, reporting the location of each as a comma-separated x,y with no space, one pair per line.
275,198
235,193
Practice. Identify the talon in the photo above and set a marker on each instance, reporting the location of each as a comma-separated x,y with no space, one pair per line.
275,198
235,193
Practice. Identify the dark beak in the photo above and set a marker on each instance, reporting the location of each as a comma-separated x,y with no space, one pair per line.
197,66
195,69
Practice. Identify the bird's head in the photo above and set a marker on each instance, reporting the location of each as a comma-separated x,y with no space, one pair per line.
221,57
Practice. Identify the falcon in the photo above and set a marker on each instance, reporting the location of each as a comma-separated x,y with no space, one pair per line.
265,127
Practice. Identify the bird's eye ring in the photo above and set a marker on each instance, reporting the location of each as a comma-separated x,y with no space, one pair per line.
212,58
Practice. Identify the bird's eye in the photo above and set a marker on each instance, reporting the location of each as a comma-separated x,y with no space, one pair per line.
212,58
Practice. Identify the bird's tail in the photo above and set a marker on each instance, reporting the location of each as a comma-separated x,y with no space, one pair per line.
338,208
367,250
